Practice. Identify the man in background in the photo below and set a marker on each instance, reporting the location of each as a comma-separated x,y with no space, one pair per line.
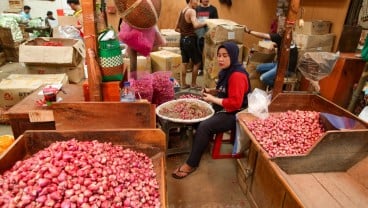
204,11
76,7
25,13
186,25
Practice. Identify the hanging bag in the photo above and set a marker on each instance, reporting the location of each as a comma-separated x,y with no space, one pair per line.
111,60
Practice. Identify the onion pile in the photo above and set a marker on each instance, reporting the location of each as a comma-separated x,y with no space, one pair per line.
182,109
81,174
190,95
287,133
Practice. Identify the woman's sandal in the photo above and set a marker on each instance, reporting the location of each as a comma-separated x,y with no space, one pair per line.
179,174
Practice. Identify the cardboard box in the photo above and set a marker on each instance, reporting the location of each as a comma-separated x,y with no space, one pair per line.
313,41
16,4
34,53
166,61
17,86
317,27
220,30
143,65
67,20
171,49
210,59
75,74
172,37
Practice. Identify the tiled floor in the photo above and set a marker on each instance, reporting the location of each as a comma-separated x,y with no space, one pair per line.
212,185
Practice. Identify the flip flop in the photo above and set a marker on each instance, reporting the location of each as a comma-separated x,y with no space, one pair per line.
185,173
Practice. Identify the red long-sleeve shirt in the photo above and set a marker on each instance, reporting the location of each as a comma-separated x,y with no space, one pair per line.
237,86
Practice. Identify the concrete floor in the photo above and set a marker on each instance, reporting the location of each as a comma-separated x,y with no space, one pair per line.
212,185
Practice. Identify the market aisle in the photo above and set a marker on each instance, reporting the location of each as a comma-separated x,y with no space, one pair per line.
213,184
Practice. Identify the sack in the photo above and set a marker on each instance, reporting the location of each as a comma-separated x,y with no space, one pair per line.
140,40
111,60
365,50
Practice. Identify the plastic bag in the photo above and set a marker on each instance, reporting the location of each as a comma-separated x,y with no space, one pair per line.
163,88
69,31
242,141
316,65
143,86
138,39
258,102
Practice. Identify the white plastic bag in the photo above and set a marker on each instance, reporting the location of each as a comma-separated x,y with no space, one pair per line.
258,102
242,142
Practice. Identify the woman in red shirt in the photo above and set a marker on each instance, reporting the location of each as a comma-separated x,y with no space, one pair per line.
228,98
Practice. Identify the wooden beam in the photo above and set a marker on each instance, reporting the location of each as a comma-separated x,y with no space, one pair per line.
285,48
89,29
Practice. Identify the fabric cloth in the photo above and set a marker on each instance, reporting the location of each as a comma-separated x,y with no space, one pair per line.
189,50
233,87
25,15
186,28
209,12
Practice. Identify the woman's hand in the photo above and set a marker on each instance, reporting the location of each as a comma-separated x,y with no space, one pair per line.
208,97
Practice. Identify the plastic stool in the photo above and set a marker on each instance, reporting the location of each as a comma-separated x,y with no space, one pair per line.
216,150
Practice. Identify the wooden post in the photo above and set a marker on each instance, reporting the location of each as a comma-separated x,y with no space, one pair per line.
285,48
89,29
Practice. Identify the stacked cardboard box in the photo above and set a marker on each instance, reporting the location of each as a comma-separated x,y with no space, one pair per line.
17,86
314,36
172,37
219,30
42,57
166,61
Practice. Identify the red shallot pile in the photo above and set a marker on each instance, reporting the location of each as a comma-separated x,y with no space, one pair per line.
287,133
81,174
190,95
185,110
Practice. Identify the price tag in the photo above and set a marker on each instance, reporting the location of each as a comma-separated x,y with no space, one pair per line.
231,35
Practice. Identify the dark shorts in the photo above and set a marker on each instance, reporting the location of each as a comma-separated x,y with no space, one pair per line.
189,50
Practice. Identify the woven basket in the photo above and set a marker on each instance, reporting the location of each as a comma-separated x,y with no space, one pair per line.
111,61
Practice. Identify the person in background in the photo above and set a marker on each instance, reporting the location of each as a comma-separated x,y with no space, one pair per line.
228,98
25,13
204,11
268,71
186,25
76,7
49,20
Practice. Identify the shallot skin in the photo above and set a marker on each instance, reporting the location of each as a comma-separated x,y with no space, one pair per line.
287,133
81,174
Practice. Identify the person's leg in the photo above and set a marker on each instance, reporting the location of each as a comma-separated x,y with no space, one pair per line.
265,67
183,81
195,74
268,77
185,56
220,122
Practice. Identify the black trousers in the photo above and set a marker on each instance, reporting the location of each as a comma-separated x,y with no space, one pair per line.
220,122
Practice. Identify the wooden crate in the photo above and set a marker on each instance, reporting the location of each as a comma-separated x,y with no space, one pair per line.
2,58
149,141
310,180
6,38
11,53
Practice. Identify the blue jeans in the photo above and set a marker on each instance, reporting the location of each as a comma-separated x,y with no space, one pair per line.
268,73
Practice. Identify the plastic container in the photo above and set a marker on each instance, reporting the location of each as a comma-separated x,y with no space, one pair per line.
127,93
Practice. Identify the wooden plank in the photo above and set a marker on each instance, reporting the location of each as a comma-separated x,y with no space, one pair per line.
343,188
311,192
104,115
266,188
360,172
41,116
335,151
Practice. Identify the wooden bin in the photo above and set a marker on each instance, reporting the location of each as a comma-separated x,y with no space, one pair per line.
334,173
149,141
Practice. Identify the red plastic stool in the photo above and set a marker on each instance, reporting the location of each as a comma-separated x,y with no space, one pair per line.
216,150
